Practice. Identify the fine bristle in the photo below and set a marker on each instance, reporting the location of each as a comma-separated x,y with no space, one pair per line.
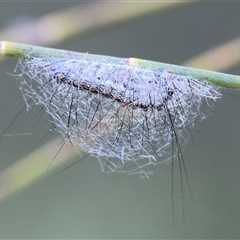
128,117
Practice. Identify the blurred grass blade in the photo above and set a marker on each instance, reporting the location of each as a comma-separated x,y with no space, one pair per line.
36,165
220,58
82,19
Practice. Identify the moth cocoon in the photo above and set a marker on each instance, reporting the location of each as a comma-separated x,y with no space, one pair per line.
128,117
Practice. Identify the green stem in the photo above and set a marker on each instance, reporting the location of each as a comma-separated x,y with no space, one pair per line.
216,78
10,49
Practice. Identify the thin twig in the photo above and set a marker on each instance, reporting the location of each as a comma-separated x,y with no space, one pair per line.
11,49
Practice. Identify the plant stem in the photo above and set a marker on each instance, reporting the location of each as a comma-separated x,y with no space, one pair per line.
10,49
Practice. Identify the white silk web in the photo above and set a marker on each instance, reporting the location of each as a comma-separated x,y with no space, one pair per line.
130,118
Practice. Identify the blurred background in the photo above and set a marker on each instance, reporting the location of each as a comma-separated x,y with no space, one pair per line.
82,202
